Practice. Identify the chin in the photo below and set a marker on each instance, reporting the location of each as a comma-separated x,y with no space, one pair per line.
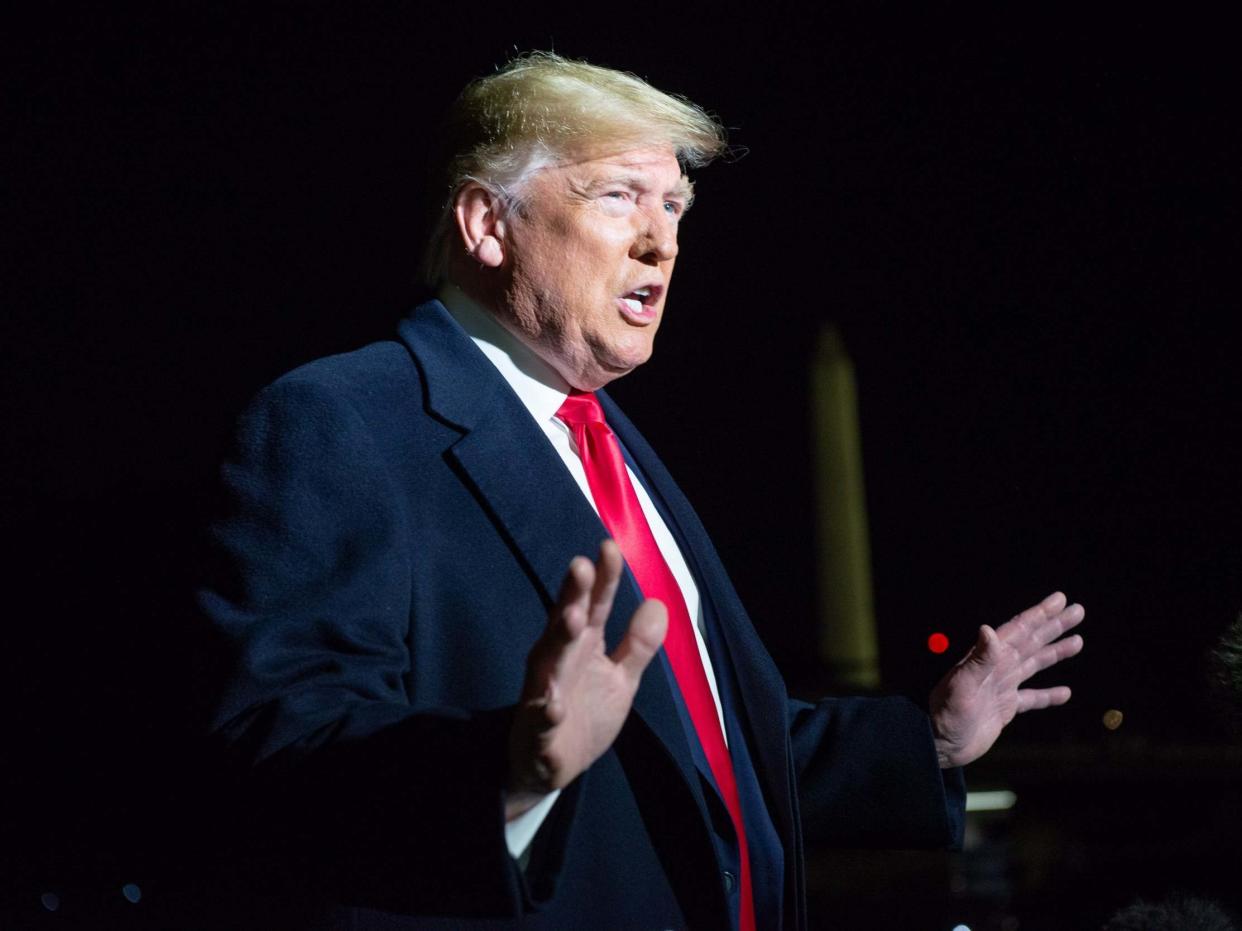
607,367
599,376
620,367
634,352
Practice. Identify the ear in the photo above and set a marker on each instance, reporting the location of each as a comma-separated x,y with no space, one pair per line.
479,223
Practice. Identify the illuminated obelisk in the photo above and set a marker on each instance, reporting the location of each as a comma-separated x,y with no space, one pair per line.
847,615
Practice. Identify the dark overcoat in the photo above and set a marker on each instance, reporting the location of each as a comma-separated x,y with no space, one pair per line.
397,528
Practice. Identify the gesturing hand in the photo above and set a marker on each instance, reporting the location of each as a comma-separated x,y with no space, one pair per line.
981,694
576,697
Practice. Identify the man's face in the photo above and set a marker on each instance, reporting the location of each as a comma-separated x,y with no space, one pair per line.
590,256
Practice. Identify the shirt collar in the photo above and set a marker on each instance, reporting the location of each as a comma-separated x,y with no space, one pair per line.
538,386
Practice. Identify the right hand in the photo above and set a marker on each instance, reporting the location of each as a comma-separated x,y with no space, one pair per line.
576,697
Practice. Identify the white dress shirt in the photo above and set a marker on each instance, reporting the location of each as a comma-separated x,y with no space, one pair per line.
542,391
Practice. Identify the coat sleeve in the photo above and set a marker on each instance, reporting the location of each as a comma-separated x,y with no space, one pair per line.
867,775
309,592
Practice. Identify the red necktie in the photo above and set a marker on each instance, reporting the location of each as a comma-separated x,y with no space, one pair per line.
623,516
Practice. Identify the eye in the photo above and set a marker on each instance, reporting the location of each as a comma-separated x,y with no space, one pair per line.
615,203
673,208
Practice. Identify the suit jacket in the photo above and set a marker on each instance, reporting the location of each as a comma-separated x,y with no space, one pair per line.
397,529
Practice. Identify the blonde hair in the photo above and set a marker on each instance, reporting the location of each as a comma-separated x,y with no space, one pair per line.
539,109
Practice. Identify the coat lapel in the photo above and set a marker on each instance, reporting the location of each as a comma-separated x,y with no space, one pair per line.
506,460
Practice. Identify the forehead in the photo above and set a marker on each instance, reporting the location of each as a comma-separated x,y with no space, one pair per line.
653,167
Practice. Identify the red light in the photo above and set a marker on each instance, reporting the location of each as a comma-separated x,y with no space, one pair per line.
937,642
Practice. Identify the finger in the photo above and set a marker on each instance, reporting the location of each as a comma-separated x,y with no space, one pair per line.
1072,616
573,603
1037,613
1023,624
1052,604
1051,655
1053,627
550,653
1042,623
1034,699
641,642
607,577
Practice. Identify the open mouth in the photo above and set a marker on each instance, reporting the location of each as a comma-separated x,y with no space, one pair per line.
640,304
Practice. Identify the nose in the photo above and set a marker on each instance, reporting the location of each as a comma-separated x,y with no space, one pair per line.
656,241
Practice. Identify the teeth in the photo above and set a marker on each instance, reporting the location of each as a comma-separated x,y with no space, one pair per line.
633,304
642,292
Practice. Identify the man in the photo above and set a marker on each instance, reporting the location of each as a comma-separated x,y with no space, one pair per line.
465,728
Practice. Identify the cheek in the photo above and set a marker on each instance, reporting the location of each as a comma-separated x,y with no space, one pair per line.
562,268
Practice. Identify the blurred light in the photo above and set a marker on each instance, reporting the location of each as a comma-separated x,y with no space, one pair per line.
50,900
937,642
1112,719
1000,800
961,927
132,892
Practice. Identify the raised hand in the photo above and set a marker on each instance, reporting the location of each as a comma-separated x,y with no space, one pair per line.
576,697
981,694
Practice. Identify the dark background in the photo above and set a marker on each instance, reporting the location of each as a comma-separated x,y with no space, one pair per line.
1025,225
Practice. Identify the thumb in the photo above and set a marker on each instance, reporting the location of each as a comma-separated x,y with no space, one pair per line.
986,645
641,642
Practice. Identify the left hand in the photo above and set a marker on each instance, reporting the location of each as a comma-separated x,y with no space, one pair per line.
576,696
972,704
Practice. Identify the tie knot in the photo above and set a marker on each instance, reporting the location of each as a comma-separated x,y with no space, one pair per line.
580,408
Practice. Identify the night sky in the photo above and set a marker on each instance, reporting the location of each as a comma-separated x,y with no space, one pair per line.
1025,225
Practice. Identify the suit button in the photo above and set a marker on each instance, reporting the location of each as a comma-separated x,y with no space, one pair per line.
729,882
